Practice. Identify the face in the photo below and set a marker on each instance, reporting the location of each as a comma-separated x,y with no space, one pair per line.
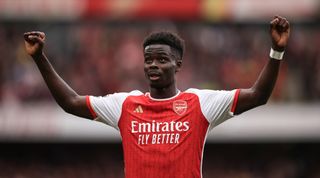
160,65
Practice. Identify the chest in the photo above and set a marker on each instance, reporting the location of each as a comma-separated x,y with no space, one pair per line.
140,115
171,110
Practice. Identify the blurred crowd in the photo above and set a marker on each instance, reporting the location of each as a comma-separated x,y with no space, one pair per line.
105,161
100,58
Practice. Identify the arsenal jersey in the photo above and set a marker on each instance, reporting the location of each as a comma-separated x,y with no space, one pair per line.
164,137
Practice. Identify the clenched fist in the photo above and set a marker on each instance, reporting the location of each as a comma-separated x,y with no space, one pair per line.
34,42
280,32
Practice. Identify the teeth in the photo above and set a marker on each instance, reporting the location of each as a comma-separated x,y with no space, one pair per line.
154,77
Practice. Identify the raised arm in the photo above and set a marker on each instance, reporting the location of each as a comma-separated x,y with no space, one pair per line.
260,92
64,95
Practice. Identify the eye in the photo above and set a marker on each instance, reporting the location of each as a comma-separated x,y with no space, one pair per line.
147,61
162,60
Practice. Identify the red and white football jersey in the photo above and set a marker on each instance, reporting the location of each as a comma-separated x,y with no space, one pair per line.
164,137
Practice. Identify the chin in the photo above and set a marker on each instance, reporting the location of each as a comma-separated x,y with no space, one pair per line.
158,85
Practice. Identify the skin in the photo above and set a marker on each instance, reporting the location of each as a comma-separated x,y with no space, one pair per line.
160,66
161,63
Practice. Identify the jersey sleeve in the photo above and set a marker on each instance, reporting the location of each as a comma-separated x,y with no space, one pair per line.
107,109
217,105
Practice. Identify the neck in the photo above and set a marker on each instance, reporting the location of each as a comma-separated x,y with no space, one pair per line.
166,92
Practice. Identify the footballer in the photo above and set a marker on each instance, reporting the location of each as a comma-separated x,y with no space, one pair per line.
164,130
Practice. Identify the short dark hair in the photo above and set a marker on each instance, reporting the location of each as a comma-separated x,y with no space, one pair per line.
167,38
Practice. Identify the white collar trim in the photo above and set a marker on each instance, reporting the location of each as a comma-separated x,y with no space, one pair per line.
162,99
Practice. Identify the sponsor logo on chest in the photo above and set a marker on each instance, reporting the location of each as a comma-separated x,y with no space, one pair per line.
160,132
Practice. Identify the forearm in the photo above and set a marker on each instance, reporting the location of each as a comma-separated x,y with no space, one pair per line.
62,92
260,92
266,81
65,96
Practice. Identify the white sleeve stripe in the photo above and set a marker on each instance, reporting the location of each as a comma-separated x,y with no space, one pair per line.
93,113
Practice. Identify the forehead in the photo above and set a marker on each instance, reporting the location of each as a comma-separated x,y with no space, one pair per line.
157,48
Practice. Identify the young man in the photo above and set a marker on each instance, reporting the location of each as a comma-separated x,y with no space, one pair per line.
163,131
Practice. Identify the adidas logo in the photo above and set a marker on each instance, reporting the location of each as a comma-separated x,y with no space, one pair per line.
138,110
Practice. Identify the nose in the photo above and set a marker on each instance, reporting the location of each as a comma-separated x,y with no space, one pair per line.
154,64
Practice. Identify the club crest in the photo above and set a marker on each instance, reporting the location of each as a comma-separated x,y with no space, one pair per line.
180,107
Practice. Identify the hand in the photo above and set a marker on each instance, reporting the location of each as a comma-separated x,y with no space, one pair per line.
280,32
34,42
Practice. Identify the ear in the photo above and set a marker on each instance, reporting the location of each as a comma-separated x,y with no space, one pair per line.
178,64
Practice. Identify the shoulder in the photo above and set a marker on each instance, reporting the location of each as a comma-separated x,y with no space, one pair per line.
207,91
215,105
205,95
124,94
135,93
114,98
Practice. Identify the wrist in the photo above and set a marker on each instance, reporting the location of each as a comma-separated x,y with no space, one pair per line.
277,48
275,54
37,56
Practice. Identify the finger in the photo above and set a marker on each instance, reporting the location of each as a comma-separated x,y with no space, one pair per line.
29,36
274,22
39,33
286,24
282,22
25,36
35,39
42,35
287,27
32,33
36,33
277,17
26,33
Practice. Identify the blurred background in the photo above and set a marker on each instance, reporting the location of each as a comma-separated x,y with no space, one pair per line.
96,46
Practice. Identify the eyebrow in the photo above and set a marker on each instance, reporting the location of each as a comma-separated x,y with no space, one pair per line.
158,53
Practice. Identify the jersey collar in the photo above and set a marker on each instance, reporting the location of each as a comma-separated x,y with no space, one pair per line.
162,99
